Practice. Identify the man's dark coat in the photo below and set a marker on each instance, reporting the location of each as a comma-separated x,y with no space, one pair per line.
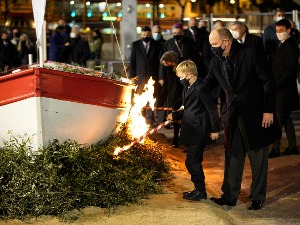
251,95
285,66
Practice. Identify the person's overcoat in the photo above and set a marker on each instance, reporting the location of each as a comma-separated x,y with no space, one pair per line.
144,65
285,66
251,95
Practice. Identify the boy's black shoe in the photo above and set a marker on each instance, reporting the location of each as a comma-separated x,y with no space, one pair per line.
189,192
274,153
195,195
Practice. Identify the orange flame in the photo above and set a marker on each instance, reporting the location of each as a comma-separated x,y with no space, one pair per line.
137,125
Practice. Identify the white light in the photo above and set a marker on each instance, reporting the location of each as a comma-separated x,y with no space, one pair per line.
230,19
119,4
72,2
102,6
193,0
147,5
232,1
88,3
161,6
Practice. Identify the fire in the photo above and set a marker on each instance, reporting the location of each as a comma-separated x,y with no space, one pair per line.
137,125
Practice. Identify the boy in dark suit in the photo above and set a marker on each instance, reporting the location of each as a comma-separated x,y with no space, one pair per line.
195,127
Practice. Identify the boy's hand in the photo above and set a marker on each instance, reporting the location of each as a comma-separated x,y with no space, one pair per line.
170,117
214,136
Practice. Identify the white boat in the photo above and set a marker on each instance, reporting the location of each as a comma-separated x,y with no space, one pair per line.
47,104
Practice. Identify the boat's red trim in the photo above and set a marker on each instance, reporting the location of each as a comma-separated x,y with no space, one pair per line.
41,82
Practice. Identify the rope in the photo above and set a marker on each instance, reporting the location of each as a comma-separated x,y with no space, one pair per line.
115,33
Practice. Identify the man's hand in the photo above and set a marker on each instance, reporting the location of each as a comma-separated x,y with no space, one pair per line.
214,136
268,119
161,82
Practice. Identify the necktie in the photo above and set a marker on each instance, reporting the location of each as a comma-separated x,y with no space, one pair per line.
147,48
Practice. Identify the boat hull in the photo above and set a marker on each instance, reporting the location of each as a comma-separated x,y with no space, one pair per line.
47,104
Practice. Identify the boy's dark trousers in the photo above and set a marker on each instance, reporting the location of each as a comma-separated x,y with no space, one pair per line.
193,162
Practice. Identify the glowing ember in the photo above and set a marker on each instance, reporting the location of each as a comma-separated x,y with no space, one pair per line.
137,125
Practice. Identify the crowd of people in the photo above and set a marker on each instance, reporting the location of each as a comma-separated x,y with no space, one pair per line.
65,45
227,79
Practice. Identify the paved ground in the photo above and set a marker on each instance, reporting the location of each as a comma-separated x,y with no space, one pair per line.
169,208
282,204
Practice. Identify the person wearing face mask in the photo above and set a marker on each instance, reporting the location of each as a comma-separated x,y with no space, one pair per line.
170,91
285,66
240,32
195,127
199,36
16,36
270,40
184,48
248,119
144,63
8,54
156,34
80,49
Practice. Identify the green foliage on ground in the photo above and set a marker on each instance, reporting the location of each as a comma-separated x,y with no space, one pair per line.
67,176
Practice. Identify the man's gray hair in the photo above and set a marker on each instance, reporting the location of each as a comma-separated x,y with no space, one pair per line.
224,33
238,23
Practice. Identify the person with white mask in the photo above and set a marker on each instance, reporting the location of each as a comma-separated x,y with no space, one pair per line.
285,65
157,35
270,40
240,32
80,49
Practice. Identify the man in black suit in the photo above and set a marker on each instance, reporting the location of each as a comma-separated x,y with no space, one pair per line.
270,40
144,63
285,66
247,115
199,36
183,46
241,34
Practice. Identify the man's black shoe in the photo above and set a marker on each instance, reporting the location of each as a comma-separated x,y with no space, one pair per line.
195,195
274,153
291,151
222,201
256,205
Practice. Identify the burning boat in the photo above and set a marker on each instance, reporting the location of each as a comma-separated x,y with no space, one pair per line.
48,104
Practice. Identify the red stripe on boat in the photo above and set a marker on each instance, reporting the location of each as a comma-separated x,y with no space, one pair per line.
66,86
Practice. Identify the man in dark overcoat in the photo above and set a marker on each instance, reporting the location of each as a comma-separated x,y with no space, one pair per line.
247,115
80,49
144,63
285,66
